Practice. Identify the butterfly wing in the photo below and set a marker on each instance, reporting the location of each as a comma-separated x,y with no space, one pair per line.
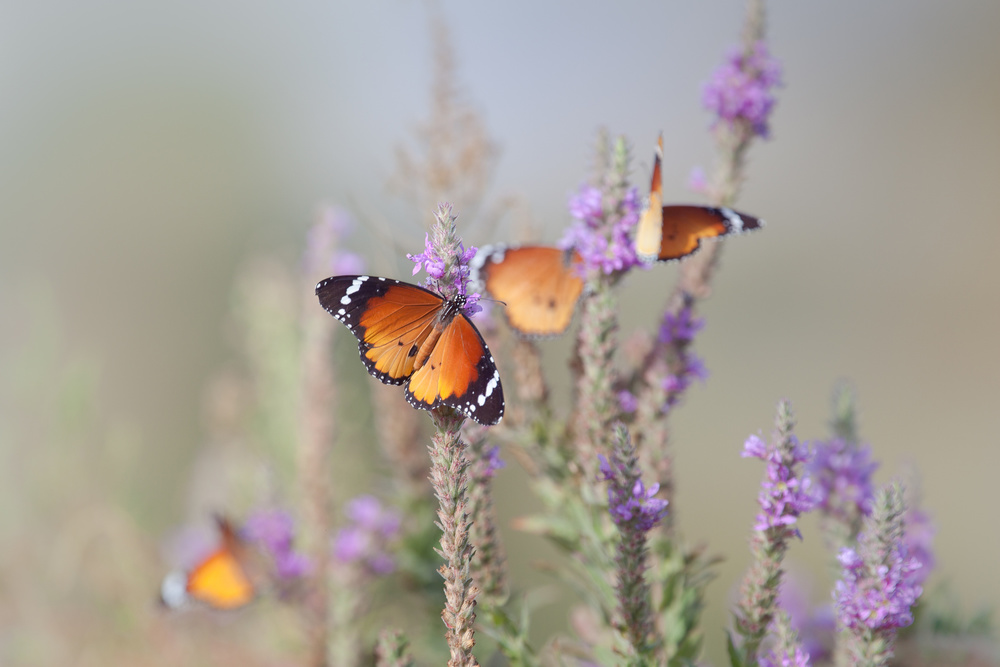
399,325
649,231
684,227
390,319
539,285
460,373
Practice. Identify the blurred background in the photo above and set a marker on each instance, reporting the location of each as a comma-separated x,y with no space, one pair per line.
155,155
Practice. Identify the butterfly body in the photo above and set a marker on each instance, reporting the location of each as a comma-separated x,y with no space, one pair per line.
410,335
220,580
540,286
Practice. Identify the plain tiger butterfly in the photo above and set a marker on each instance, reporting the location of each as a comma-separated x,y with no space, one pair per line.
220,580
671,232
540,286
408,334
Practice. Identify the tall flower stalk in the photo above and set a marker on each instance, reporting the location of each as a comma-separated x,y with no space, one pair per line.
783,497
635,511
606,214
446,261
879,585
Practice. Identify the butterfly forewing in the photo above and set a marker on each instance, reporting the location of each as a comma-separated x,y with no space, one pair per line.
648,231
389,319
539,285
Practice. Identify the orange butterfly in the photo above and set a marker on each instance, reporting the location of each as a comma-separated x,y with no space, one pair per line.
540,286
219,580
671,232
409,334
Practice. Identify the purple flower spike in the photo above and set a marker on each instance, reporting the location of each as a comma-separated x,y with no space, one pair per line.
741,89
627,401
680,327
880,581
635,505
783,495
446,261
842,472
493,461
877,598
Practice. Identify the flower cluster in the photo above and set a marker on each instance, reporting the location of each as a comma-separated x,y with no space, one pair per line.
602,233
365,541
492,461
842,473
677,331
798,658
741,89
274,531
783,495
632,504
877,596
446,261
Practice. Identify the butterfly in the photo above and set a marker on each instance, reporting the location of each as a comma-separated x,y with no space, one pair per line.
671,232
540,286
409,334
220,580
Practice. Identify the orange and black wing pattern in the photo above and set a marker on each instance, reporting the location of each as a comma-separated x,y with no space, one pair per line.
539,285
408,334
220,580
671,232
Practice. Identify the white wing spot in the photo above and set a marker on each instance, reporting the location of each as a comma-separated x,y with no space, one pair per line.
734,219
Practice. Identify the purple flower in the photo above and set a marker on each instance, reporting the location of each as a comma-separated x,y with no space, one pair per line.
800,658
633,505
372,527
741,89
842,473
627,401
603,238
493,461
274,531
918,536
680,327
446,261
877,596
428,260
697,180
783,495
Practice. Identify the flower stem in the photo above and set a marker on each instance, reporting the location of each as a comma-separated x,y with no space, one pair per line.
449,477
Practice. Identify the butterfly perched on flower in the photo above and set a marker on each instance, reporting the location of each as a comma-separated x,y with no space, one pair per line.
540,286
666,233
409,334
220,580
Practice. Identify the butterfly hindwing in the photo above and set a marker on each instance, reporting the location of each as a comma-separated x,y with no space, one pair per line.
407,333
539,285
460,373
684,226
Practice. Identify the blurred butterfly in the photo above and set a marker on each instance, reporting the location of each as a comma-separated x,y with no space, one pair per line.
539,285
409,334
220,580
671,232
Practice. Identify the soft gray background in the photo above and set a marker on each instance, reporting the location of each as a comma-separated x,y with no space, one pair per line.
146,149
